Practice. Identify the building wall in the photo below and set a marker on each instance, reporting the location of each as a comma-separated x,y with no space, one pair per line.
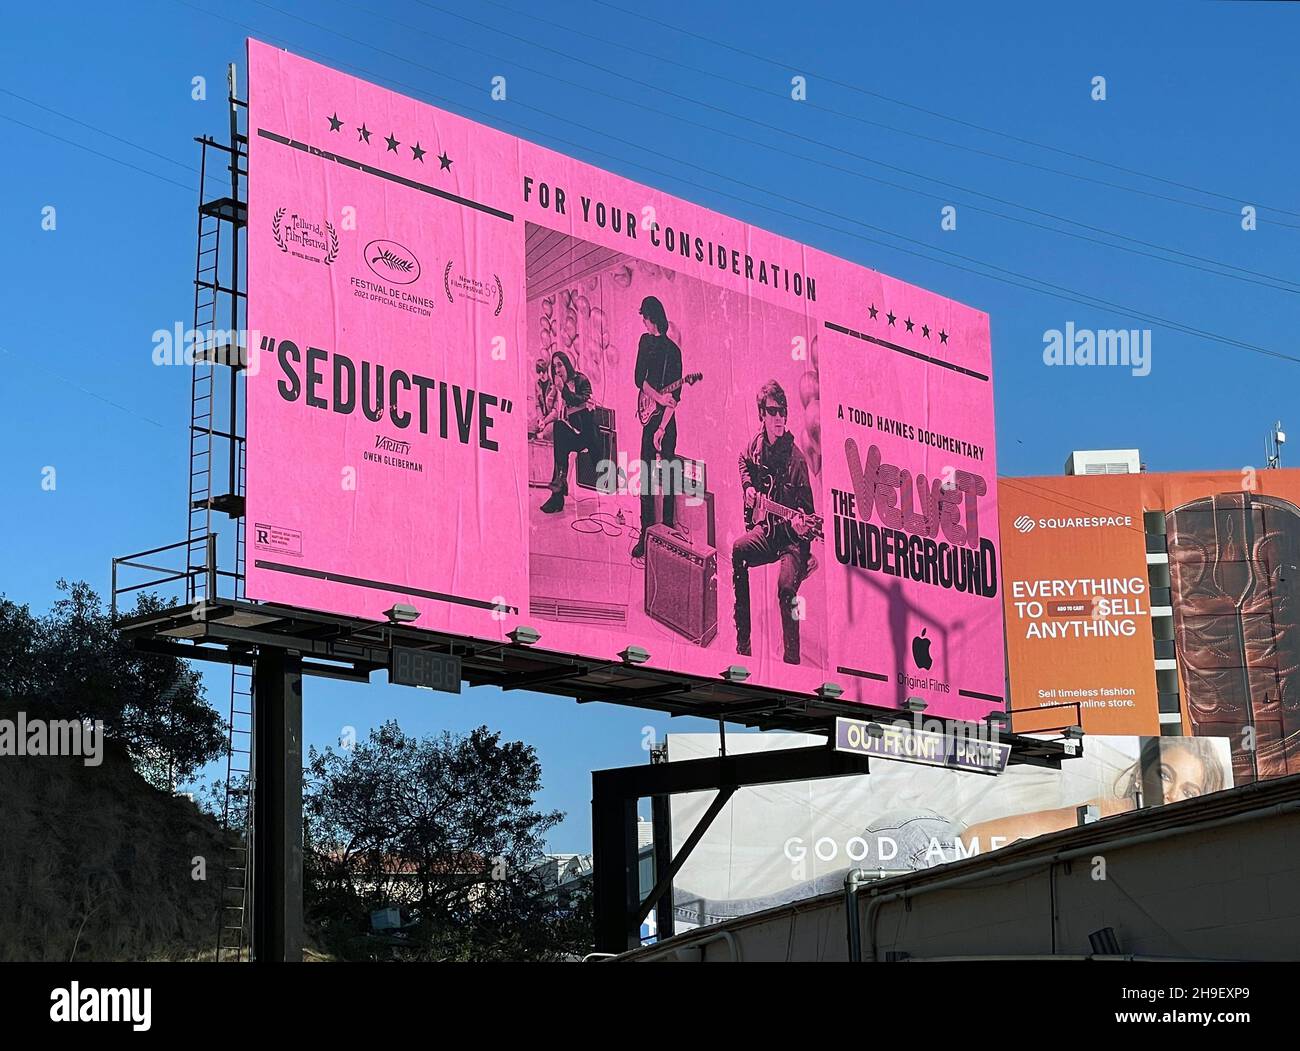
1222,882
1157,604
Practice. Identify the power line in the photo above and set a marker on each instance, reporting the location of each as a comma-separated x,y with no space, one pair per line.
101,131
948,117
1267,282
927,138
930,138
30,359
97,153
1055,291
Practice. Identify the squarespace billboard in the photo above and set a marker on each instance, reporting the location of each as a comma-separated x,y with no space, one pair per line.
509,388
1218,557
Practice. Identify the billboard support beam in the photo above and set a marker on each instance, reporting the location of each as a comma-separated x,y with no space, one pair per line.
277,807
661,818
657,895
614,795
613,861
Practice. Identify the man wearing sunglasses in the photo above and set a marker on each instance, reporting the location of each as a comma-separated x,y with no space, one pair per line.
772,464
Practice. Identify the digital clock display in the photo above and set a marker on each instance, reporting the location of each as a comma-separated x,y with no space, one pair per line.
434,671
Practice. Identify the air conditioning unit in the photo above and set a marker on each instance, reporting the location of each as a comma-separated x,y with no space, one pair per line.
1104,461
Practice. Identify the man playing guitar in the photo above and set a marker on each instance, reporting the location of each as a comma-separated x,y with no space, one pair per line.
773,469
658,365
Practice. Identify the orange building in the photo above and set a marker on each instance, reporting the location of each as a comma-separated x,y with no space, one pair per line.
1157,604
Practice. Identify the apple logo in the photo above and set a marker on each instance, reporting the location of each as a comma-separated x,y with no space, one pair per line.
921,651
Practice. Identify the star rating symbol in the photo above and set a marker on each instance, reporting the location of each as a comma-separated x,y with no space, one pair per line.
392,142
417,153
909,325
943,336
445,161
873,311
335,123
890,317
925,331
363,134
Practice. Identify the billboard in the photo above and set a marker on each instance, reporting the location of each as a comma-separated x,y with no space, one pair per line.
1160,602
784,842
509,388
1078,605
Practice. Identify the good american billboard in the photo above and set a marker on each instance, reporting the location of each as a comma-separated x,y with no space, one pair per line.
1159,603
509,388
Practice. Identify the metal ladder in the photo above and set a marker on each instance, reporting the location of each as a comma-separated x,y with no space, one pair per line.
202,394
237,819
240,525
217,483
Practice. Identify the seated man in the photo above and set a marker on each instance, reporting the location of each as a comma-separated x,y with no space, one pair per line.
775,466
573,428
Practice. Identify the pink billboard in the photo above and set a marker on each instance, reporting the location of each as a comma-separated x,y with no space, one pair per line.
508,388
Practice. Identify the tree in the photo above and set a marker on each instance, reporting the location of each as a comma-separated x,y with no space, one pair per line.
72,663
446,828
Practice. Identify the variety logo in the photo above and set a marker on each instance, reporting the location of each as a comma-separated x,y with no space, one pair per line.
393,262
392,445
1024,523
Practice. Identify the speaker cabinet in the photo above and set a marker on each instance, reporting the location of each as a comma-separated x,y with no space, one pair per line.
681,585
541,462
606,450
693,517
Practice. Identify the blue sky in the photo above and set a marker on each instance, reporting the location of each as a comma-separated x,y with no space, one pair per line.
1200,95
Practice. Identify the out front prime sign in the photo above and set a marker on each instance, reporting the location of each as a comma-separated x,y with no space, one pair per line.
971,752
508,388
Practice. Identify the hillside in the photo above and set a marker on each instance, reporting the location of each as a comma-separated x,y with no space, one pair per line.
96,864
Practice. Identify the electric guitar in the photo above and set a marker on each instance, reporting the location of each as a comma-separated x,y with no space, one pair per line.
765,509
646,406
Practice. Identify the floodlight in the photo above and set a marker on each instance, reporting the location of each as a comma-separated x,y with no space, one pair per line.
402,613
998,719
634,655
875,730
915,704
524,635
1073,733
735,673
830,691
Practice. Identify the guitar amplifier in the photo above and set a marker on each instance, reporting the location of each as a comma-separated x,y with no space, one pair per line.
681,585
606,448
695,518
692,516
541,462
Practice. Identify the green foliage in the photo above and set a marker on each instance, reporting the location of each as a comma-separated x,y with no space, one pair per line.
72,663
445,828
